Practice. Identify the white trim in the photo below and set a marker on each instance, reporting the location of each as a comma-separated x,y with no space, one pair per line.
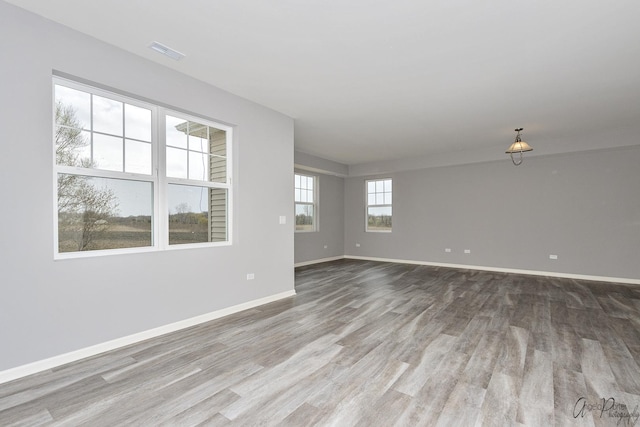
318,261
328,172
52,362
503,270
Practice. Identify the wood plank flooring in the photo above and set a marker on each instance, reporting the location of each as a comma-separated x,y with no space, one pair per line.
370,344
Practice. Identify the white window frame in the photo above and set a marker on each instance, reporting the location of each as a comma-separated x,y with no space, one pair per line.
165,180
313,204
158,178
378,205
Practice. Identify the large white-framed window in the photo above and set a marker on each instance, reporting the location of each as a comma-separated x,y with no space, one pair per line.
306,191
132,176
379,205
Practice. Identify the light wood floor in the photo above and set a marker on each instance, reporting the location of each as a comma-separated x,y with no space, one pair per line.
370,344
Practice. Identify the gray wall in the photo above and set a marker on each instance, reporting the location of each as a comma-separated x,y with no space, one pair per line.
583,207
310,245
51,307
313,163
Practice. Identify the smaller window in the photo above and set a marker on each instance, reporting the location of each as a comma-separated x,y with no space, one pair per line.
379,206
305,202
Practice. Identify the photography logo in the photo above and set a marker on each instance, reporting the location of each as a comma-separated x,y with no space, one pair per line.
619,413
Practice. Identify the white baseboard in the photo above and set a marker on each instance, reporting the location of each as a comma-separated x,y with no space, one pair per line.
318,261
503,270
43,365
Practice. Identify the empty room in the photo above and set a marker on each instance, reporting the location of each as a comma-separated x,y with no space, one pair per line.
352,213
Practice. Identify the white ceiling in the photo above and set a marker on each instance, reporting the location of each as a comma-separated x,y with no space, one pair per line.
370,80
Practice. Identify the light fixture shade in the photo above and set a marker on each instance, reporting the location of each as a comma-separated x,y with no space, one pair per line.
518,147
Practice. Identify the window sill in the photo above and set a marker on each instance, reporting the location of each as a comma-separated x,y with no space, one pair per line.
124,251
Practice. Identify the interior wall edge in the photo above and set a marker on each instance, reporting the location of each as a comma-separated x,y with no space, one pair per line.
318,261
624,280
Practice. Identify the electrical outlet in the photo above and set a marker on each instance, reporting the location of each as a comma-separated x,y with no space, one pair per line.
357,245
448,250
467,251
553,256
325,246
283,219
251,276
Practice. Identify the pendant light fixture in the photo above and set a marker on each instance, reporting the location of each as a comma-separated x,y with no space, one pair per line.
519,146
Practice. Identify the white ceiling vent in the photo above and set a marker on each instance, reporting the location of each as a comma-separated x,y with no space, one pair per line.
166,50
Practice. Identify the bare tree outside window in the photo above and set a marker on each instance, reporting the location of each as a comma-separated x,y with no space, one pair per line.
84,209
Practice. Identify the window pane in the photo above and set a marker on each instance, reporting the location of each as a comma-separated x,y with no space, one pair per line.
207,148
297,181
387,198
310,196
371,199
379,218
137,122
218,169
310,182
103,213
387,185
107,115
176,132
218,214
371,187
379,199
73,147
197,214
379,187
137,157
198,166
107,152
176,163
73,107
297,195
218,142
304,217
198,137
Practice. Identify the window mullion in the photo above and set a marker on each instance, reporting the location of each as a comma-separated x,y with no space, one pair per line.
161,204
91,134
196,183
124,139
102,173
